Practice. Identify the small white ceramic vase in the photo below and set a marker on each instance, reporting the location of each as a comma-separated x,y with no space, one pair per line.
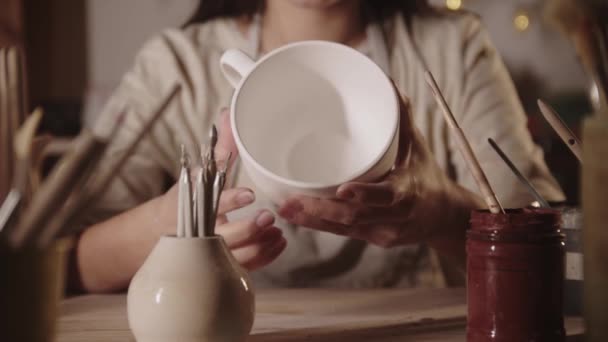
190,290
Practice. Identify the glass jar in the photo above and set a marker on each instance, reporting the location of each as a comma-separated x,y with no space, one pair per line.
515,272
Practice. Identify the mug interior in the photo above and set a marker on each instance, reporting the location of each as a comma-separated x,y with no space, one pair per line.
316,112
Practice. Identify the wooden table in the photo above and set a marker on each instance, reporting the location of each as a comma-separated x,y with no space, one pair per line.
307,315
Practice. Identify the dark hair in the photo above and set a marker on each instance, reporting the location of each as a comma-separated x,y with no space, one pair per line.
211,9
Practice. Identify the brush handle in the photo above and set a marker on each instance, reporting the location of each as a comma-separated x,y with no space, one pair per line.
465,149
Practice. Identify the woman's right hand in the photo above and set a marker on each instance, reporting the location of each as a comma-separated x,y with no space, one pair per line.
254,241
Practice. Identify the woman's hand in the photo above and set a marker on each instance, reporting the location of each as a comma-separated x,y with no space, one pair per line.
415,202
254,241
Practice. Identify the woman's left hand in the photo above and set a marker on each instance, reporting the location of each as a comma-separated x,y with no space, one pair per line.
414,202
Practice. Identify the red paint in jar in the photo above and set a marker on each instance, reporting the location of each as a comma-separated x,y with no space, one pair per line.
515,272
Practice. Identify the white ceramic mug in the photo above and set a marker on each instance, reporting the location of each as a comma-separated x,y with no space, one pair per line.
310,116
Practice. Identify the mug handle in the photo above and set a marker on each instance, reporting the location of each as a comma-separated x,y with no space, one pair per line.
235,64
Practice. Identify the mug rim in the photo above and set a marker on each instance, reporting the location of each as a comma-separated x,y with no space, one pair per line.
314,185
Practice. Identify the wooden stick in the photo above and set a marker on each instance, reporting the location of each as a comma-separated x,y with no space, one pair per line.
561,129
82,200
465,148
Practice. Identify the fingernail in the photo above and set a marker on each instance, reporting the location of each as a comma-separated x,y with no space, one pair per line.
264,219
245,198
346,194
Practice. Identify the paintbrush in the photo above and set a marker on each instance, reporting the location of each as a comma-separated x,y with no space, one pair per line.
81,201
465,148
539,198
70,173
561,129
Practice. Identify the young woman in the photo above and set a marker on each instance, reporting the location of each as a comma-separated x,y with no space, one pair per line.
420,210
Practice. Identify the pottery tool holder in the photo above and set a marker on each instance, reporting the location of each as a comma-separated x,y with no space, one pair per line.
198,201
207,295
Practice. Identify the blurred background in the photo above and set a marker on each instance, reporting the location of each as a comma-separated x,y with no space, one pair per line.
77,51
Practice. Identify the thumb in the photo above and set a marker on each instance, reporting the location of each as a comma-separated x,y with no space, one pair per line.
226,147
